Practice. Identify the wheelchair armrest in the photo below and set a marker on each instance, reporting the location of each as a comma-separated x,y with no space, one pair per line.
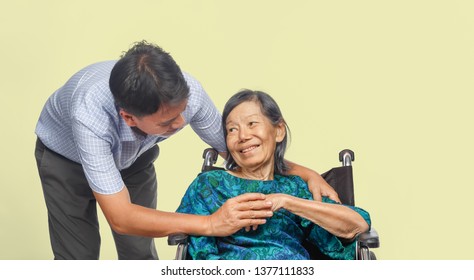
176,239
181,240
369,239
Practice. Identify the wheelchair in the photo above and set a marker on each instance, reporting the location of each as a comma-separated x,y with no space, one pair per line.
340,178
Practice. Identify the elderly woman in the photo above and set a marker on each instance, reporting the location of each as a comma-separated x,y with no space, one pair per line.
256,136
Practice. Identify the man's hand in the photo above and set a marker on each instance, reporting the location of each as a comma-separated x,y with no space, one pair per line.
319,188
244,211
316,184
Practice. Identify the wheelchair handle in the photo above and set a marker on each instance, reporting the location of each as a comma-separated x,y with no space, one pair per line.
210,158
346,157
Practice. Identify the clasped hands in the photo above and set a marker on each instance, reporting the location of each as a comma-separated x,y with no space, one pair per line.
247,211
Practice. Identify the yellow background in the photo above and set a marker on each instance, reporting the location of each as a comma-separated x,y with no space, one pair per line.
392,80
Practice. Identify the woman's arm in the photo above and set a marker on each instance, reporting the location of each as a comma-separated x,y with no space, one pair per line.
316,184
337,219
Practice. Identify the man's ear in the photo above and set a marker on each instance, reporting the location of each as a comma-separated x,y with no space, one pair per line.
280,132
128,118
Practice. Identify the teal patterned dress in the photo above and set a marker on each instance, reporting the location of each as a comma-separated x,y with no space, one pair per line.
279,239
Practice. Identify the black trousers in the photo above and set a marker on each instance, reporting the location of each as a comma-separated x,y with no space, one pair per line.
72,208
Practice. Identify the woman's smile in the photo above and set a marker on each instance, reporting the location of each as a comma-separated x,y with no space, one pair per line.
251,148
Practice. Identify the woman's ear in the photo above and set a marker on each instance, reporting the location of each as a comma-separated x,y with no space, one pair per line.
128,118
280,132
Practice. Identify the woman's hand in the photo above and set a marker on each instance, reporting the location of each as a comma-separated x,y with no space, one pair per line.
243,211
278,200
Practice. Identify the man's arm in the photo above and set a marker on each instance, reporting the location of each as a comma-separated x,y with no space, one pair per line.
127,218
316,184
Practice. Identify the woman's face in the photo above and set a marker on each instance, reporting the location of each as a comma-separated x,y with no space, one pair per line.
251,137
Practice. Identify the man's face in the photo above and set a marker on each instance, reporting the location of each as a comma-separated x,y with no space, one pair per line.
165,122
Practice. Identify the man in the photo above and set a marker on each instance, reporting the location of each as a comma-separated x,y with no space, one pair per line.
97,139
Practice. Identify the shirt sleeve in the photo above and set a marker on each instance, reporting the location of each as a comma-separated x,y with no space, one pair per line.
194,202
97,160
203,116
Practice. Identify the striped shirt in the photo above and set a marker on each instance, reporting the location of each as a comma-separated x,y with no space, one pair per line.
81,122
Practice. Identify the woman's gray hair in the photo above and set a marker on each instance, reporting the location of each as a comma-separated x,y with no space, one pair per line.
271,110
